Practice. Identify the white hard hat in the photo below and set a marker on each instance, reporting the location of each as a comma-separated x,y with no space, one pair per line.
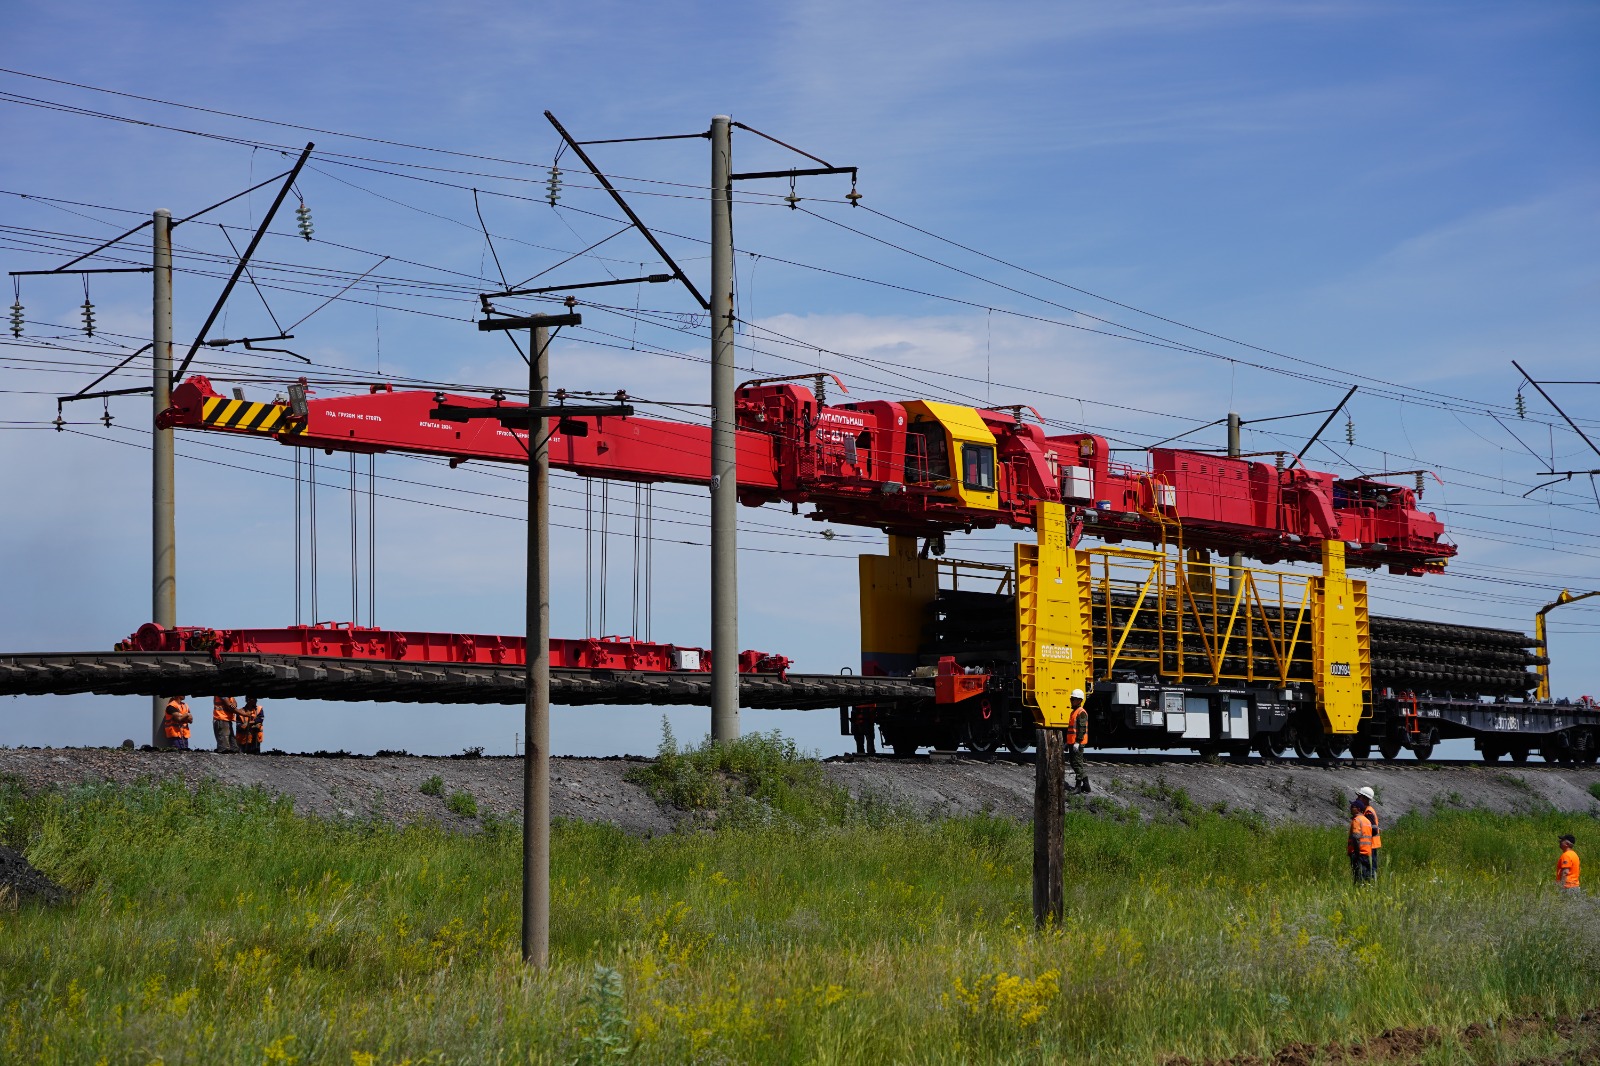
1077,693
1366,790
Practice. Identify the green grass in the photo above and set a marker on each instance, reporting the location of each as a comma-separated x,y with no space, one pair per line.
433,786
218,926
1594,790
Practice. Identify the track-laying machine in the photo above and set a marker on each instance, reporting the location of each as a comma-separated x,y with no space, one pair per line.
1174,649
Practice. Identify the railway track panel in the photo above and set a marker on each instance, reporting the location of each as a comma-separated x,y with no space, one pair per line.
321,678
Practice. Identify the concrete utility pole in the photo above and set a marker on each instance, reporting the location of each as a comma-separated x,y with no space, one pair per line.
724,447
1235,561
536,724
163,526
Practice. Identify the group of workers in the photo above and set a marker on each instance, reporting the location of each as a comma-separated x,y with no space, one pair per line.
1366,844
238,730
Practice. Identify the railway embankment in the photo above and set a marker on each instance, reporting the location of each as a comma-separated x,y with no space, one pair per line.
465,792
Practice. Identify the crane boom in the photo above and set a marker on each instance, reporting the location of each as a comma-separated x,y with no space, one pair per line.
914,467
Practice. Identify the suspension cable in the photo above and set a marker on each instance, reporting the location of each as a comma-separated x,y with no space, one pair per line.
311,489
372,539
605,547
588,556
298,564
649,554
638,494
355,548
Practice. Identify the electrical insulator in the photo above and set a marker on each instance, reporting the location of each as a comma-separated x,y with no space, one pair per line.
60,423
16,319
792,199
1522,406
1419,484
552,187
1279,461
302,219
88,319
1349,430
852,195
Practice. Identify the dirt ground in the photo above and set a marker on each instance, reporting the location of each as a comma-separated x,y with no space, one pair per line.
596,790
1530,1040
21,883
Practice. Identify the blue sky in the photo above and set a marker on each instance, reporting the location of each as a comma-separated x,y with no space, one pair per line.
1401,196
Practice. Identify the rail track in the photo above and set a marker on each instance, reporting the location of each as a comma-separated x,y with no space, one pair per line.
324,678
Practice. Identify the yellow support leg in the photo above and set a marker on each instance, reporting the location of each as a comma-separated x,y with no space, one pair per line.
1053,620
896,590
1341,643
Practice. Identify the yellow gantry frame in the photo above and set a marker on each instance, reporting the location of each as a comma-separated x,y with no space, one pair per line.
1257,635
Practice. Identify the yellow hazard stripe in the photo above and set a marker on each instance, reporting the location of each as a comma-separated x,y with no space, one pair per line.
246,417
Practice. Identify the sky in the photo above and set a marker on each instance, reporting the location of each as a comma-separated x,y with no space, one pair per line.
1286,199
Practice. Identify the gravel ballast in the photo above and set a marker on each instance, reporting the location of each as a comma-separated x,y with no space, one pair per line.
389,787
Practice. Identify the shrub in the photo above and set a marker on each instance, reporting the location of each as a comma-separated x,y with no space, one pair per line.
463,804
758,779
433,786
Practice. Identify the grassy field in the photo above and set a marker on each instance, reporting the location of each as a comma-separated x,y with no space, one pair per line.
221,927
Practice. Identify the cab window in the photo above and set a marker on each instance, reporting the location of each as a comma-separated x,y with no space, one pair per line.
977,466
927,456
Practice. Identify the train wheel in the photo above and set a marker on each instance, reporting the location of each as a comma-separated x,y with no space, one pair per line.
1361,749
1271,746
1389,747
1305,747
981,734
1491,752
1519,755
1423,749
1329,749
1020,734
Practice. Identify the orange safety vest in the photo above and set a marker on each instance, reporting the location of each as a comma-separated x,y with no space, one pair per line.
1360,836
175,721
249,728
1371,814
1567,869
1078,727
223,708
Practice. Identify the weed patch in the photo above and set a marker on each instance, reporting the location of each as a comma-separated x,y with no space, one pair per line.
219,926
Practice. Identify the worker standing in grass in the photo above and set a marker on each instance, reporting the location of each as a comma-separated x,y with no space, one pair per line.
1077,739
223,709
248,729
1567,863
175,723
1360,845
1370,810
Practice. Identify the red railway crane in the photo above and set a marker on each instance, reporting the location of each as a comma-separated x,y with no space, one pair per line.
914,467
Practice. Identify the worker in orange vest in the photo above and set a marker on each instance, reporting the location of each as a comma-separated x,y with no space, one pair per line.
248,729
1359,847
1077,738
223,709
1567,864
175,723
1365,797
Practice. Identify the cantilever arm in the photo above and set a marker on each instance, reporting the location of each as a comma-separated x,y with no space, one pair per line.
1562,600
